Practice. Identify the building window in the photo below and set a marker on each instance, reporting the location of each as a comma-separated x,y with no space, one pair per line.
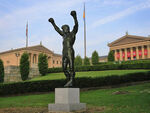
57,62
8,62
53,61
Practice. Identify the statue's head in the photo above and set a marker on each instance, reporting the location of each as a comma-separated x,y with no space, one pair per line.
65,28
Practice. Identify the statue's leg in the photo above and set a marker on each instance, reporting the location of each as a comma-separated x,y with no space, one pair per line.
71,66
64,66
70,60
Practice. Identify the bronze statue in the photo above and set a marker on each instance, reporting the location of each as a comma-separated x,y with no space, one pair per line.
68,51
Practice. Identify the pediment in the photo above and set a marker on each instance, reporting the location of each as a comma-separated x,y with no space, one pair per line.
127,39
40,48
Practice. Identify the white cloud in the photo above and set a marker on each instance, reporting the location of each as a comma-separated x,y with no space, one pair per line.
36,12
121,14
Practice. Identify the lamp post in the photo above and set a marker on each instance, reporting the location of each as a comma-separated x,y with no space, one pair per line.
17,55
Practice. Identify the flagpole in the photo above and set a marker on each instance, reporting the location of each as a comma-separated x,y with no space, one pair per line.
27,34
84,32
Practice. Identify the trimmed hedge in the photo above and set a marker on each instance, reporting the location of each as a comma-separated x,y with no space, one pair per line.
24,66
85,82
43,64
105,67
1,71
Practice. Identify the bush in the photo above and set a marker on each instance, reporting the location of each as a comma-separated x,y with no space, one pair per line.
86,61
111,56
43,64
1,71
55,70
78,61
84,82
24,66
95,58
102,67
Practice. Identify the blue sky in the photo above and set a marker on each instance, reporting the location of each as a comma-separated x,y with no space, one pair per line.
106,21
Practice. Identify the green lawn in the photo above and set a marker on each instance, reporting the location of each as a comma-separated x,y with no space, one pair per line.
136,101
53,76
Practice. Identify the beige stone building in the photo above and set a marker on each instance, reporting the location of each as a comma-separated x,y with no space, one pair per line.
103,59
12,57
131,47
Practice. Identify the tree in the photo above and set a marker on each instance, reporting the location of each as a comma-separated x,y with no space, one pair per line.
24,66
86,61
43,64
1,71
111,56
95,58
78,60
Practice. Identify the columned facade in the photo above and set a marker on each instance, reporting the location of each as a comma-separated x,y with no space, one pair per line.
125,54
131,47
12,57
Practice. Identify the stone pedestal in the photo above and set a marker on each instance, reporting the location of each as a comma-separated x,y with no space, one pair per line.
66,100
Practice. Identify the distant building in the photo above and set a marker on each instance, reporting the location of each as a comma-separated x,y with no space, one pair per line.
131,47
103,59
12,57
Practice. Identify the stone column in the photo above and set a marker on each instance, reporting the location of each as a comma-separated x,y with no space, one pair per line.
115,55
121,59
37,56
148,51
131,51
143,56
35,59
125,50
31,56
137,53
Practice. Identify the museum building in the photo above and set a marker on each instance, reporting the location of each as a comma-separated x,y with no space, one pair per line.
12,57
131,47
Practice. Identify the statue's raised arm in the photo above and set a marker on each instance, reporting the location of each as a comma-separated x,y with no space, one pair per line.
51,20
75,28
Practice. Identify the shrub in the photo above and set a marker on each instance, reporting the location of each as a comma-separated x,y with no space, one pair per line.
55,70
78,61
107,66
24,66
111,56
1,71
95,58
84,82
86,61
43,64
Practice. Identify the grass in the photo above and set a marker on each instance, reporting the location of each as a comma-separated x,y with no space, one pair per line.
53,76
136,101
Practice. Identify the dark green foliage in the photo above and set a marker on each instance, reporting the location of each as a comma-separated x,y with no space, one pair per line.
108,66
111,56
84,82
95,58
1,71
78,61
43,64
86,61
24,66
55,70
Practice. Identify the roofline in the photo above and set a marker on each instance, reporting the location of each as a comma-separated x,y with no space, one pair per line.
55,54
103,56
23,48
133,36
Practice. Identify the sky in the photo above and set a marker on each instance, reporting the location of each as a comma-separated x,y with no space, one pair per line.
106,21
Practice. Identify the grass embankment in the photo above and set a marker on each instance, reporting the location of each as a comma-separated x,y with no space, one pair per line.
54,76
136,100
